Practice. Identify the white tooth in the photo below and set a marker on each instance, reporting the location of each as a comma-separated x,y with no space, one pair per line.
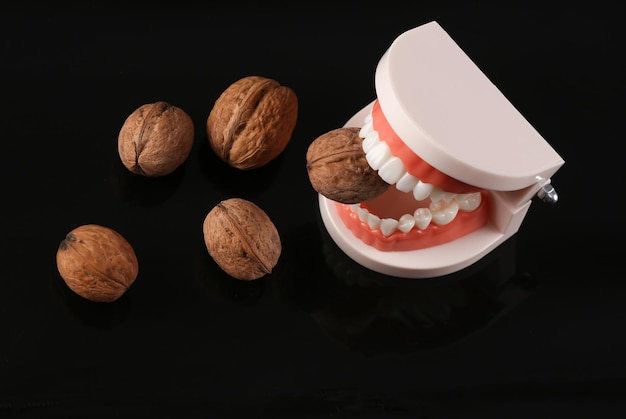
422,190
438,194
444,212
373,221
435,195
378,155
406,223
388,226
362,213
368,117
448,196
367,128
422,217
468,202
406,183
370,141
392,170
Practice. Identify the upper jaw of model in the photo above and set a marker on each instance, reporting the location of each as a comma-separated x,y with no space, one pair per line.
461,161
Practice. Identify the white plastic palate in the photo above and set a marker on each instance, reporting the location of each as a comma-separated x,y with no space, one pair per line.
449,113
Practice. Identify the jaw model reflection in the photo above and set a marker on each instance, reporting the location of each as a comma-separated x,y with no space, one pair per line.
461,162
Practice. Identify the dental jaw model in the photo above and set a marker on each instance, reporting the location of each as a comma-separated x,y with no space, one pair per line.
462,163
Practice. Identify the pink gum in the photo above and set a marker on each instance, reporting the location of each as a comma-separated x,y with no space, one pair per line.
464,223
413,163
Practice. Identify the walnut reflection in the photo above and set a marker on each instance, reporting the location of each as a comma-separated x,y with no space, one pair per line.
142,190
222,289
90,313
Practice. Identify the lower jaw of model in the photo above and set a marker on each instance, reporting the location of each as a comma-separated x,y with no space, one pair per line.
416,228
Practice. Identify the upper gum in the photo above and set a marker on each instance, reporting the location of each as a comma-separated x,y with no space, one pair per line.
413,163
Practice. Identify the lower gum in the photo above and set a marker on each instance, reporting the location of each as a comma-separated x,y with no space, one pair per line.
415,239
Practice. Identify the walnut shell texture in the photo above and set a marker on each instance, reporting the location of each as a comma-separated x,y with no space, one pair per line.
252,122
338,169
242,239
97,263
155,139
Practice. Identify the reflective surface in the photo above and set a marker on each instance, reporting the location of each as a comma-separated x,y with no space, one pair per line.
533,330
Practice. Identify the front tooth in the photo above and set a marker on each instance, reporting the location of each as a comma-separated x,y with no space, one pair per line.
422,217
422,190
388,226
406,223
392,170
370,141
444,213
406,183
438,194
368,117
367,128
469,202
378,155
373,221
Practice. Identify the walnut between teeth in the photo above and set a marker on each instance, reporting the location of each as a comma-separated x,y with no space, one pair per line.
338,169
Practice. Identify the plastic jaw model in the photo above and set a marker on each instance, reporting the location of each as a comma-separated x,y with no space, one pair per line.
462,163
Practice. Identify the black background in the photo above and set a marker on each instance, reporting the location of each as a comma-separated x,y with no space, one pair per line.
534,330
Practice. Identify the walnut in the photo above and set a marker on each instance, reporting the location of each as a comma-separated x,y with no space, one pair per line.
338,169
242,239
155,139
252,122
97,263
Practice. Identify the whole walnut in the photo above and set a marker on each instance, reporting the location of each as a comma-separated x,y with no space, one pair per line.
155,139
242,239
97,263
338,169
252,122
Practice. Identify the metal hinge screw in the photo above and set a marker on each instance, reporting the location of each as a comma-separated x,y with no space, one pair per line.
548,194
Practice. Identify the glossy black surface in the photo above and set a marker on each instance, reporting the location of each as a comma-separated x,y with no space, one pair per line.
536,329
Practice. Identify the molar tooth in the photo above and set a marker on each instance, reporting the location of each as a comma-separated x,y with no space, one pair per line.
469,202
388,226
367,128
406,183
370,141
422,217
378,155
448,196
392,170
444,212
362,213
422,190
406,223
373,221
438,194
